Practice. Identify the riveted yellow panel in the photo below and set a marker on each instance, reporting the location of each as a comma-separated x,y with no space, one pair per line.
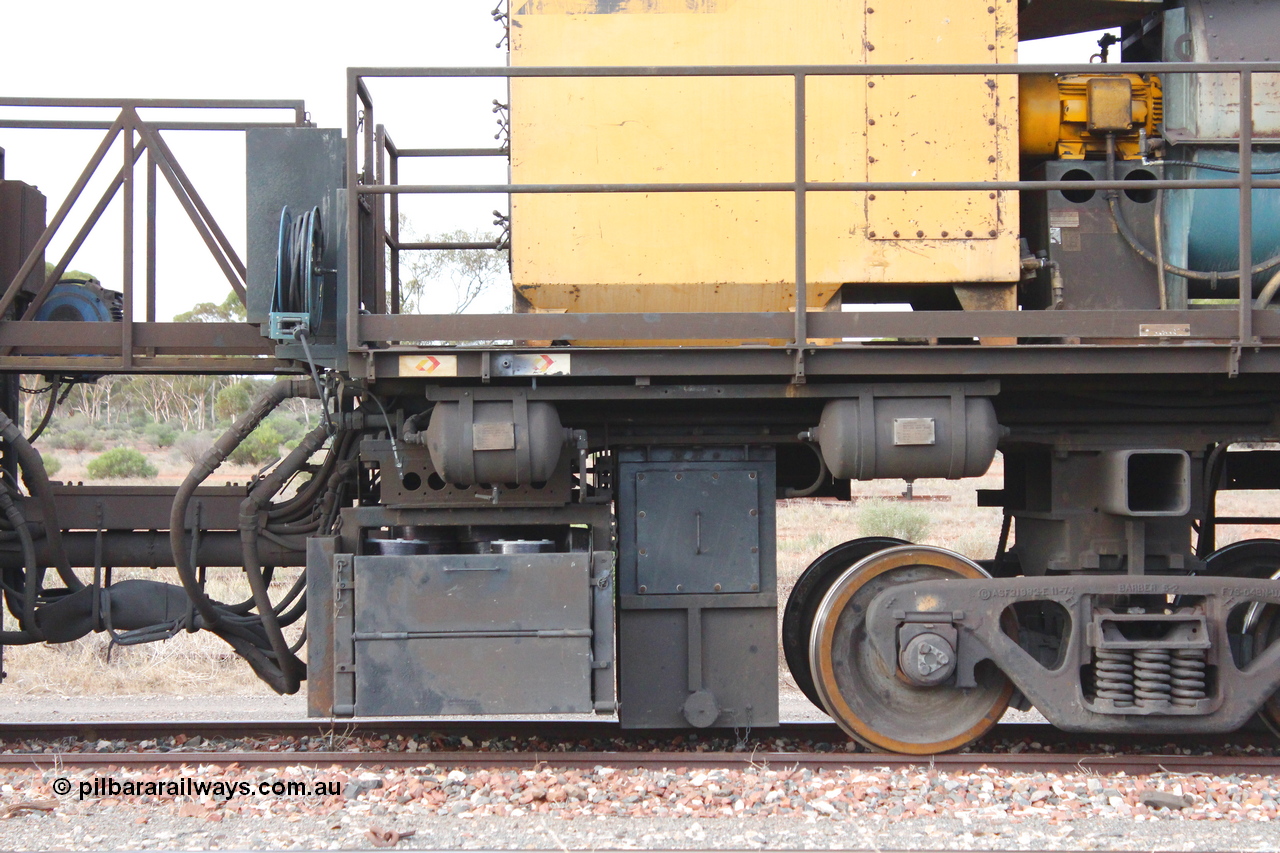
735,251
917,137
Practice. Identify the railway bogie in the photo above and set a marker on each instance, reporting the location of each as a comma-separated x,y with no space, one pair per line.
572,508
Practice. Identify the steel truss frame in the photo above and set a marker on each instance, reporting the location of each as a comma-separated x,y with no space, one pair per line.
132,346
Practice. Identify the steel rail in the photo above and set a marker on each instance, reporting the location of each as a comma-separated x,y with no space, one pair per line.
558,730
964,762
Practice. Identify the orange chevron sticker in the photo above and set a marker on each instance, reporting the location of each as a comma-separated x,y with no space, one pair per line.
429,365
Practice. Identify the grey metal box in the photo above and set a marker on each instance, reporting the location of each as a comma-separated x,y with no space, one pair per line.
472,634
473,592
697,621
695,518
466,675
734,659
22,211
1099,269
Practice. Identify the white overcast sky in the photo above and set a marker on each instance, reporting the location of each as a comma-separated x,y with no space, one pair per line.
264,49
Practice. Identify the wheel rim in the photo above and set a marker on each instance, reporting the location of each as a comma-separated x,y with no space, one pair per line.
807,594
872,702
1266,632
1253,558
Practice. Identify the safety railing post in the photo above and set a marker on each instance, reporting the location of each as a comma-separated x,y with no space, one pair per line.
1246,207
151,236
126,276
394,216
801,242
353,207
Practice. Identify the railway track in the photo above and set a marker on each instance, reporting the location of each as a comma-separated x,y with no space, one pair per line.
574,744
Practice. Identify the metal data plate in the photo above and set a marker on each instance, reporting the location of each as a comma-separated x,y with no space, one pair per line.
465,592
697,531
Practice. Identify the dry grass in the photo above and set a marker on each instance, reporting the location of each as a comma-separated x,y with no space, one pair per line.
808,528
203,665
197,664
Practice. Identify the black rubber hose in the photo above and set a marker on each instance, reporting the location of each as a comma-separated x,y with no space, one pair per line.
37,479
1122,225
214,457
292,670
302,504
294,591
1214,167
33,574
1132,239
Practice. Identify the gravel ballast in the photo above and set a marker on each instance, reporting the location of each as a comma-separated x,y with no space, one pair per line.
605,807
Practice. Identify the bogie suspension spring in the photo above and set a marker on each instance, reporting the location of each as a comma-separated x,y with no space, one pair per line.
1113,675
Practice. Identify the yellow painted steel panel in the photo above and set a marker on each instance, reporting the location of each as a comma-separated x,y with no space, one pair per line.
621,7
734,251
924,135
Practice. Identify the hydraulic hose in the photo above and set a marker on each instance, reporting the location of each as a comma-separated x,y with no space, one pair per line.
248,640
212,459
48,411
37,480
292,670
34,575
1146,254
1117,216
1268,292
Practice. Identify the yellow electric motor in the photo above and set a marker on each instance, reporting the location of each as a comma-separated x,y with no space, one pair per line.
1069,116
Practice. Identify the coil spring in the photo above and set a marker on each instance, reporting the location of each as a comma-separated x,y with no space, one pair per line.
1113,675
1152,676
1188,676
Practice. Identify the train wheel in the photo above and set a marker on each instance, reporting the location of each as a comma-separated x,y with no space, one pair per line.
807,594
876,705
1266,632
1253,558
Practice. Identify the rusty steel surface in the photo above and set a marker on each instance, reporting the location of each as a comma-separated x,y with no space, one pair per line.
573,743
1023,762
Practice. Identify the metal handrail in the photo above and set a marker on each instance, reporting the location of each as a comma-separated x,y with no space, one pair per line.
139,136
359,96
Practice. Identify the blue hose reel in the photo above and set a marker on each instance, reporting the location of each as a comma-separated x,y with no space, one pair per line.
297,302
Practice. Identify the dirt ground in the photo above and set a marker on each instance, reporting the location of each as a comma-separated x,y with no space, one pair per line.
197,676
